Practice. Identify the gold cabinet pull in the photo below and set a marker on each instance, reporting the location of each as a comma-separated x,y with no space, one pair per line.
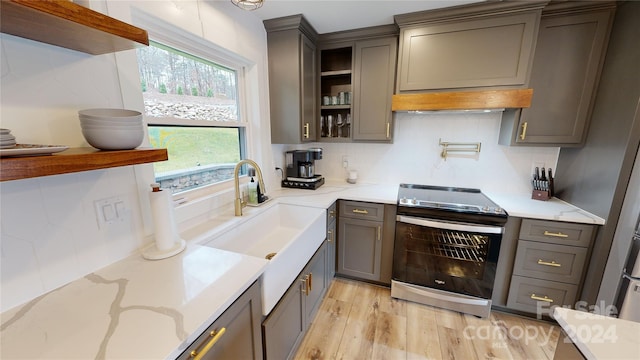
545,298
558,234
546,263
198,353
306,130
378,234
332,213
305,281
388,130
310,283
329,236
523,134
360,211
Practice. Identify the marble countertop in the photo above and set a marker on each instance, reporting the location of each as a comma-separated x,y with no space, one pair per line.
600,337
137,308
519,205
133,309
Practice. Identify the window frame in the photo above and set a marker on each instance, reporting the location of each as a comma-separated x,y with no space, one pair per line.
171,36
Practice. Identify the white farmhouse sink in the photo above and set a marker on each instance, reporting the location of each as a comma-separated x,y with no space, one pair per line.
292,232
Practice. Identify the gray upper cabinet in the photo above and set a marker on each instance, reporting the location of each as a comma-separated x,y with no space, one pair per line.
569,55
360,64
292,79
374,76
488,45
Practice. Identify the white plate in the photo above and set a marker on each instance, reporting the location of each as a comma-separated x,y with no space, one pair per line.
32,149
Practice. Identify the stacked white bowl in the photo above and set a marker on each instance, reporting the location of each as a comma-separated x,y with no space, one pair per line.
7,141
112,129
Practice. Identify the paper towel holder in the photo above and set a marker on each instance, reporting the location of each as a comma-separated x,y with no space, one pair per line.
152,251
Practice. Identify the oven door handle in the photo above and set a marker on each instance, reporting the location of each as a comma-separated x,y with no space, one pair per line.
449,226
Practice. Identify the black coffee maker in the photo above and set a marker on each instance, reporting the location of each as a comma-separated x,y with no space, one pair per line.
300,169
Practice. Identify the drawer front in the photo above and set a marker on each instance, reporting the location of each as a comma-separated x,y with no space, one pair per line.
551,262
362,210
556,232
526,294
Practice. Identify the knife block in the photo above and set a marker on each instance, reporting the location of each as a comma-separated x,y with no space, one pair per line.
541,195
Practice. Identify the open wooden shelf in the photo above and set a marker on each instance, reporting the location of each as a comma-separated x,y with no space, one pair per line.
69,25
75,160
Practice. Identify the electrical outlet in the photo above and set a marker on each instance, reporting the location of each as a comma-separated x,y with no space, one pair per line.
111,210
345,161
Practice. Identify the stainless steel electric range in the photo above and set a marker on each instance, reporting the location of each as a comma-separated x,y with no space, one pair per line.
446,248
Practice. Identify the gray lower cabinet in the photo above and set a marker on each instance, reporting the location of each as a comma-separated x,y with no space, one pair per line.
467,47
332,236
241,338
365,240
287,323
569,56
292,79
549,265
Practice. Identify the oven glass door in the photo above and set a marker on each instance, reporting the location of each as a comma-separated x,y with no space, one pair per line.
454,257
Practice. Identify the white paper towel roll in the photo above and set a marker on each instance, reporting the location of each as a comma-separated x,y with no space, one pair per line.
166,231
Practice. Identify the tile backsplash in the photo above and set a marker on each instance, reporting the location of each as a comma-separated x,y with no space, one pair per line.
50,233
414,156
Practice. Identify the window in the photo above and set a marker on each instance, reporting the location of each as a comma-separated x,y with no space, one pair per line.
192,109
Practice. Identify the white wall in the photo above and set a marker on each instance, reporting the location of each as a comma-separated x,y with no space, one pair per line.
414,157
48,230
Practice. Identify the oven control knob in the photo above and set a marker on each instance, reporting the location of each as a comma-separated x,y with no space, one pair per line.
498,210
403,200
414,201
486,209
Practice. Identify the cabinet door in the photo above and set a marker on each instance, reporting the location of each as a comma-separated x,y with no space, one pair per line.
292,79
359,248
242,337
566,68
308,97
331,250
285,326
317,285
374,77
493,51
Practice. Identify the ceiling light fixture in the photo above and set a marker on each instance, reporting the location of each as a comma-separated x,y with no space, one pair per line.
248,4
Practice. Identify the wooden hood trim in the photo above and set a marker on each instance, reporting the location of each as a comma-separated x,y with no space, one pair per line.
463,100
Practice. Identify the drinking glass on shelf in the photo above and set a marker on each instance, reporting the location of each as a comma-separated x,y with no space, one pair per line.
329,125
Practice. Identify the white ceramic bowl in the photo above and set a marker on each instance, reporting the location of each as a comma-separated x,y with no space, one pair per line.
109,113
113,139
131,120
111,125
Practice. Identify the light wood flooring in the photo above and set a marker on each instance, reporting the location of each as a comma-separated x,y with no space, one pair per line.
361,321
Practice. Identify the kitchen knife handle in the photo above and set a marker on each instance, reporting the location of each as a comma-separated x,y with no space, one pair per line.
545,298
523,134
198,354
546,263
558,234
359,211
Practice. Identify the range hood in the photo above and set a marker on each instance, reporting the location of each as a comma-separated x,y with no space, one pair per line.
481,100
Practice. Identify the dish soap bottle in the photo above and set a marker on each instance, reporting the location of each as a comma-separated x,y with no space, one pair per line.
252,189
